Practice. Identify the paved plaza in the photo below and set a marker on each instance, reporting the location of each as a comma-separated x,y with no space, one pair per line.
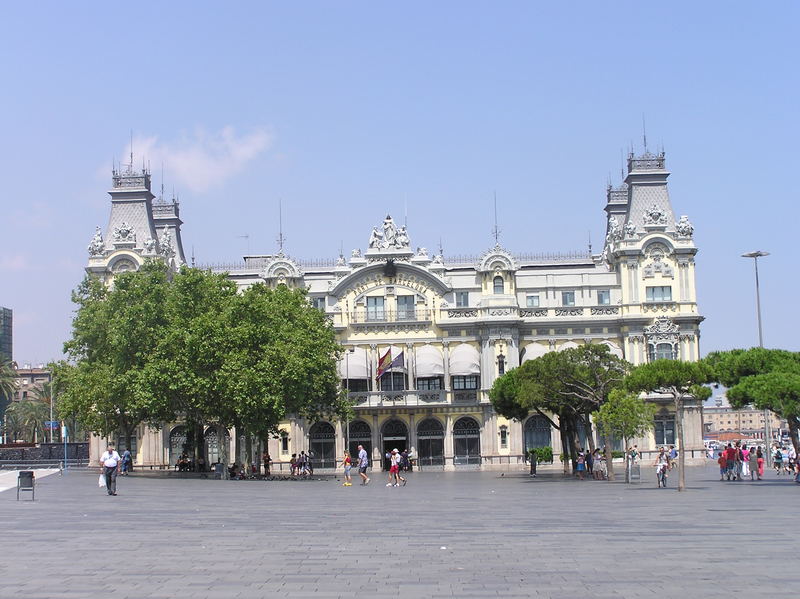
470,534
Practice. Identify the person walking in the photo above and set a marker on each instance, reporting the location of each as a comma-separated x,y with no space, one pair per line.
394,469
267,461
745,461
581,466
110,461
348,464
127,462
760,463
363,464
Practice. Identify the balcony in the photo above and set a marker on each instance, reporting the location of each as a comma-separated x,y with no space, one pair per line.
397,399
390,316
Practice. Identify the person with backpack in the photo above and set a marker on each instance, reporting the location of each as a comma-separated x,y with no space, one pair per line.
363,464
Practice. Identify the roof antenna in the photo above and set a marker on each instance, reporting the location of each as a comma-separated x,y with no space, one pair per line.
622,164
644,134
131,164
193,263
281,238
405,212
341,248
590,242
496,230
161,198
247,237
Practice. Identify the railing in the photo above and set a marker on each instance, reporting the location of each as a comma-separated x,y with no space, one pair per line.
378,316
390,399
514,312
465,396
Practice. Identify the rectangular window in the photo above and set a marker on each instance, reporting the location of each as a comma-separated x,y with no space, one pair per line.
405,307
355,385
659,294
665,430
567,298
662,351
532,301
433,383
462,299
284,444
603,297
503,437
393,381
318,303
375,309
471,381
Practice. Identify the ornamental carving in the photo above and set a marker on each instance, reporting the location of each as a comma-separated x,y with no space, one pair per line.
663,330
630,229
150,245
462,313
124,234
569,311
496,259
655,216
667,307
165,244
604,311
96,245
614,230
657,252
501,311
536,313
684,227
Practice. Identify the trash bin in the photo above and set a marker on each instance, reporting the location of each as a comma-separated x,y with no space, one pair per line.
26,481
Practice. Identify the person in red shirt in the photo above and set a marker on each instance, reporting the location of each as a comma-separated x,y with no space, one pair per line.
723,465
730,458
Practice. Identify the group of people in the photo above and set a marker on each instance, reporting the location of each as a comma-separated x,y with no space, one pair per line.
592,463
399,461
737,461
785,462
302,465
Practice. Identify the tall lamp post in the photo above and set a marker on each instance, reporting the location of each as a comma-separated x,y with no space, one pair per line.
349,351
767,432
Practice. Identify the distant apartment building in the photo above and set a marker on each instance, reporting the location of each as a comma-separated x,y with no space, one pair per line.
749,422
31,381
6,338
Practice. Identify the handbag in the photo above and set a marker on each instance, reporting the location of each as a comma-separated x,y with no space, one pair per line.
101,482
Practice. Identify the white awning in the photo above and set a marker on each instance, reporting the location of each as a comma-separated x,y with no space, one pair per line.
429,361
355,364
535,350
464,360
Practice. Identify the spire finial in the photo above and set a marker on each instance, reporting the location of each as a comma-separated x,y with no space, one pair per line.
644,134
496,230
441,251
193,262
281,238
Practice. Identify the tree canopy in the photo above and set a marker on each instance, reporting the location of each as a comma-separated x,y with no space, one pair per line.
769,379
159,347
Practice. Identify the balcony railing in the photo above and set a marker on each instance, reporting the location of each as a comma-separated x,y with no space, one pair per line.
392,399
378,316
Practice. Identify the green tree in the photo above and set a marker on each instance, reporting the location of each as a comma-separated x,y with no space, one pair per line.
115,332
29,416
572,384
625,415
8,383
679,379
769,379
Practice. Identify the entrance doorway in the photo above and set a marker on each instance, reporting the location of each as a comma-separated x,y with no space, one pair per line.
466,442
394,435
360,434
430,443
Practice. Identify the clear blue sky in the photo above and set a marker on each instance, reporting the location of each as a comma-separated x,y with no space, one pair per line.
348,110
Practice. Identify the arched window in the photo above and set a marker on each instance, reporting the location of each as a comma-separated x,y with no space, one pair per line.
662,351
499,286
430,439
178,444
360,434
213,453
322,443
466,442
537,433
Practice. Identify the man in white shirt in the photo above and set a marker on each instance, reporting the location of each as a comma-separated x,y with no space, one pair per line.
110,461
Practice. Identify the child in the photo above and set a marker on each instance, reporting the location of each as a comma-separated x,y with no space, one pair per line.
723,465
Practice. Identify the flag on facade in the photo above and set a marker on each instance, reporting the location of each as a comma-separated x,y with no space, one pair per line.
385,363
398,362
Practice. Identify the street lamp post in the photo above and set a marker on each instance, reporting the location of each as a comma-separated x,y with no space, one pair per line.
349,351
767,433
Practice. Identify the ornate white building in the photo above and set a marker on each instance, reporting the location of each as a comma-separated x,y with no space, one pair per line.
426,336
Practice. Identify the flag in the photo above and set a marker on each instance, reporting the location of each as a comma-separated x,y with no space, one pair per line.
399,362
385,363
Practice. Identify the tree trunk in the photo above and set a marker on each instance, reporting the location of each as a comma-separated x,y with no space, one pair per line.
223,450
248,453
587,426
564,446
681,446
609,458
794,434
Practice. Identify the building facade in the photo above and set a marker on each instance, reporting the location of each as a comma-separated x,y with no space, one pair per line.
748,422
425,336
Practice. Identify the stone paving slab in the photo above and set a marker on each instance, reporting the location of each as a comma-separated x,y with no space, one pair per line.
470,534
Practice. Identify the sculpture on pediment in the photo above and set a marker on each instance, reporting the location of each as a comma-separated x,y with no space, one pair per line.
630,229
96,246
655,216
389,232
438,259
150,245
165,244
423,252
684,227
614,230
124,233
356,253
375,239
401,239
340,261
